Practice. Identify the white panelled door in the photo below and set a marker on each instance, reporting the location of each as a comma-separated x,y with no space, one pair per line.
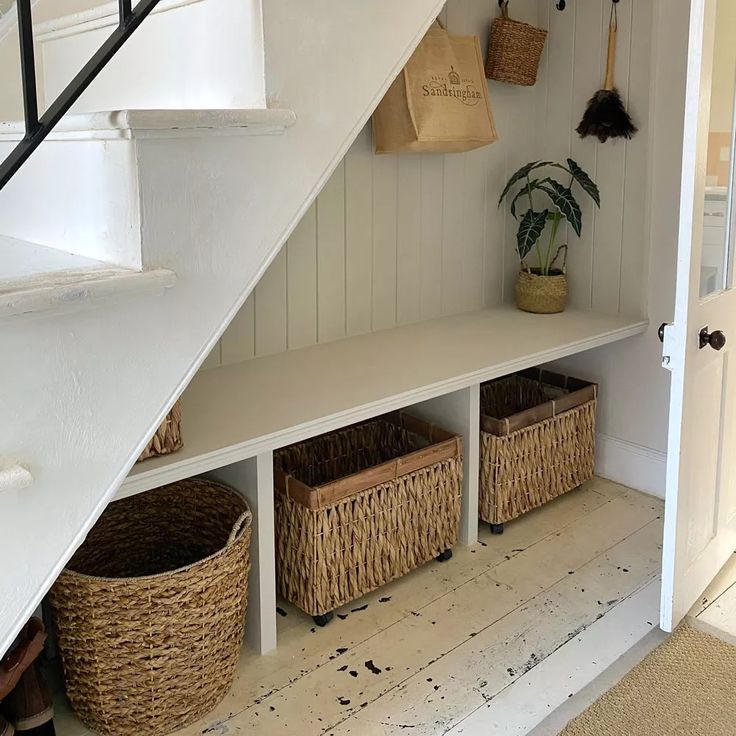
700,347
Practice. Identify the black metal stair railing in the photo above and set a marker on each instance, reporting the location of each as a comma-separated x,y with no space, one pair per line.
37,128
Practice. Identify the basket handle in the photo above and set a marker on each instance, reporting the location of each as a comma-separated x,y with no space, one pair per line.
564,258
504,5
239,527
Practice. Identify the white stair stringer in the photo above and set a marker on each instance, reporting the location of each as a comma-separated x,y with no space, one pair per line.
82,392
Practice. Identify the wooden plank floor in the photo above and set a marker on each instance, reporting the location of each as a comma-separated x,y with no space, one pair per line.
456,646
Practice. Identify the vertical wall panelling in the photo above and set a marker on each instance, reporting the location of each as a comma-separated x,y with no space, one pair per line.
611,180
634,252
214,358
476,202
516,124
518,136
587,77
472,19
432,189
271,311
560,117
359,234
239,340
331,257
396,239
385,189
499,250
409,241
454,214
301,260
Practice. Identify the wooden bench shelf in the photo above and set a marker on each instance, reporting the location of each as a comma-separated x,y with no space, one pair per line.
234,417
238,411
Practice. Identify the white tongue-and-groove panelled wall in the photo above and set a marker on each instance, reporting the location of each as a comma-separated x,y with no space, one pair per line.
393,240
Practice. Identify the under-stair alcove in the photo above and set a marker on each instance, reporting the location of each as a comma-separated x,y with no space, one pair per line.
395,291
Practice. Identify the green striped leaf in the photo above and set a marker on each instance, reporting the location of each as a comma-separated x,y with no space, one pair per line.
564,200
522,173
587,184
530,230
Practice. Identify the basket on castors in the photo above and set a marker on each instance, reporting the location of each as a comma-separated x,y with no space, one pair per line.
150,611
514,50
537,441
363,505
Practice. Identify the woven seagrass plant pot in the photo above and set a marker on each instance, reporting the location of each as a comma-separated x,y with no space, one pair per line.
541,294
361,506
537,441
150,610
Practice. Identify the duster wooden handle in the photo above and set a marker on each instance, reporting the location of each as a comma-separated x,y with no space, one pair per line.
611,63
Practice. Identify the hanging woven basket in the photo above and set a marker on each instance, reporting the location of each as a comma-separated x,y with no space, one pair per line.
514,50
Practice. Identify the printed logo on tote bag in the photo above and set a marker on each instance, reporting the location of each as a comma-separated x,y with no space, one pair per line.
460,89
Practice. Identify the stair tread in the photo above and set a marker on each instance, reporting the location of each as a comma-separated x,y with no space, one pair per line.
138,123
22,261
38,278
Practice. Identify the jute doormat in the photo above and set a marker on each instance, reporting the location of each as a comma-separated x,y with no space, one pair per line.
685,687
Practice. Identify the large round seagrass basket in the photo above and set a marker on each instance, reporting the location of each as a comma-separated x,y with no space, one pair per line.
537,441
150,611
514,50
541,294
361,506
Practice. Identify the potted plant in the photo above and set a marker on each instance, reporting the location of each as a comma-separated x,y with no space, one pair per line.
542,289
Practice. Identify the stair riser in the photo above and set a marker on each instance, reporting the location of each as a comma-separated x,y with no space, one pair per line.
79,196
188,54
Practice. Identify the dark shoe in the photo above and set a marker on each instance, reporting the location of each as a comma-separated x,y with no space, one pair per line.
19,659
29,707
5,728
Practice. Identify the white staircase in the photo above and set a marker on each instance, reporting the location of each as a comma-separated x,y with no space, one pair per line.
190,192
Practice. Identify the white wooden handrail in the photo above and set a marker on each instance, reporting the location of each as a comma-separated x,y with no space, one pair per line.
14,477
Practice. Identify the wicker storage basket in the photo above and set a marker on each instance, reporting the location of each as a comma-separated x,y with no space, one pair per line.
168,436
514,50
537,441
364,505
150,610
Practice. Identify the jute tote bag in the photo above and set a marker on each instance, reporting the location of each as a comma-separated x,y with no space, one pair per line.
439,102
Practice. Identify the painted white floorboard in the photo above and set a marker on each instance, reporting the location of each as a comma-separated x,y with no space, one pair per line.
566,671
431,649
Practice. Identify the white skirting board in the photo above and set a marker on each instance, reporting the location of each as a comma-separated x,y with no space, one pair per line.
631,465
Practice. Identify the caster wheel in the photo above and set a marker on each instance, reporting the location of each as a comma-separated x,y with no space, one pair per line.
496,528
444,556
323,619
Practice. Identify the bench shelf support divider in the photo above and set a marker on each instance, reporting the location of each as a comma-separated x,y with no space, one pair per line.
459,412
254,479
